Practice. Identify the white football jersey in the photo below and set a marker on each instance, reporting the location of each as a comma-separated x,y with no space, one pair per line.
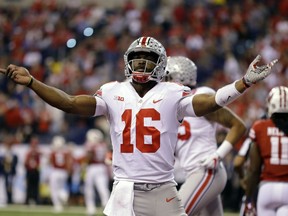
196,139
144,130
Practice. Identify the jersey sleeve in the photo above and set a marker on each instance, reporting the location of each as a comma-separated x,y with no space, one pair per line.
245,147
185,108
253,130
101,107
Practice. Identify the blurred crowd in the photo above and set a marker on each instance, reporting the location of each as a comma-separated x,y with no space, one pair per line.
77,47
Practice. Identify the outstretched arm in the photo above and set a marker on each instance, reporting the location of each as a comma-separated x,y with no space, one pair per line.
81,104
204,104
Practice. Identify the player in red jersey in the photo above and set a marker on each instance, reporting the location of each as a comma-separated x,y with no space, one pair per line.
144,114
97,172
268,157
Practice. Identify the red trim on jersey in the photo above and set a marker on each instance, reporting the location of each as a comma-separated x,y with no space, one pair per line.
198,194
186,93
99,92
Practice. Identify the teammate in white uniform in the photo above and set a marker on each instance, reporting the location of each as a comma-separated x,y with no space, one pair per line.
144,115
201,191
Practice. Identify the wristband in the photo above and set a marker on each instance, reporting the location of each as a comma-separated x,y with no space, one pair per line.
30,82
224,149
245,83
226,94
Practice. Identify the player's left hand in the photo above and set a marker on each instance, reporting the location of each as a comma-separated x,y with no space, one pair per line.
211,162
256,73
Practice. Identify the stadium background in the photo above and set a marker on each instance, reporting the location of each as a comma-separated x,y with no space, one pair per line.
79,45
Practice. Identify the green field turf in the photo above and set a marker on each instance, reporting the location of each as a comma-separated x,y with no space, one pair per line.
23,210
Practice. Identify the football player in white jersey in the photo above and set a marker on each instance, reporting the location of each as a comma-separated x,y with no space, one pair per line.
144,114
197,146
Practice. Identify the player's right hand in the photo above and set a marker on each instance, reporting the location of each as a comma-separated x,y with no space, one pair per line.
249,210
256,73
211,162
19,75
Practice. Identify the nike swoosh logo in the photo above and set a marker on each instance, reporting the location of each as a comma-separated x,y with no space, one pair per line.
170,199
156,101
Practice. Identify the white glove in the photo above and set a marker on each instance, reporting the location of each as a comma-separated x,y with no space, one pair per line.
256,73
211,162
250,210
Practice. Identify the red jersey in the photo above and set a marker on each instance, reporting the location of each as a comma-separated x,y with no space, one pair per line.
273,146
61,159
96,154
32,160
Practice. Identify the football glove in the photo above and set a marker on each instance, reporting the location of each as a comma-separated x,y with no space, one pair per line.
256,73
247,208
211,162
250,210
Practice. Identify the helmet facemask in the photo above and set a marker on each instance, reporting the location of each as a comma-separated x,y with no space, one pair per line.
143,66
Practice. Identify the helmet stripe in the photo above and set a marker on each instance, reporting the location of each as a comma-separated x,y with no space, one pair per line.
144,41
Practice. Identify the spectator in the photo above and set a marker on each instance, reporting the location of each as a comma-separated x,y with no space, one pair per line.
8,162
32,166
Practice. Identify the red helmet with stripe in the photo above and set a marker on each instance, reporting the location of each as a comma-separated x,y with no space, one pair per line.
149,46
277,100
